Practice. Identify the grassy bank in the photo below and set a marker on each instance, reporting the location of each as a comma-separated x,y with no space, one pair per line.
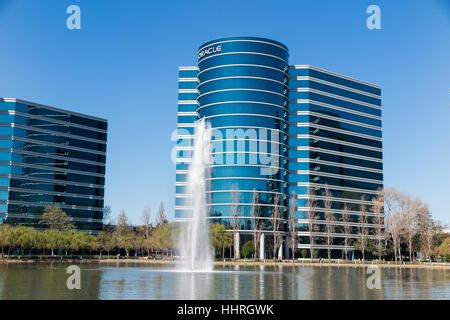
228,263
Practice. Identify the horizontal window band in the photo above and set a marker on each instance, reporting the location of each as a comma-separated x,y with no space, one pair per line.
340,212
338,142
185,172
339,97
341,223
228,191
334,74
45,107
336,164
251,140
242,40
335,235
51,169
333,84
188,68
51,120
338,153
185,125
55,193
183,79
51,144
249,152
245,115
55,204
333,107
51,156
337,176
184,102
347,132
187,114
241,53
241,77
38,217
250,127
242,65
242,102
331,187
54,181
335,199
51,132
241,89
343,120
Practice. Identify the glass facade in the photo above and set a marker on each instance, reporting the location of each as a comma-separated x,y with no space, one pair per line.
50,156
240,88
280,129
335,149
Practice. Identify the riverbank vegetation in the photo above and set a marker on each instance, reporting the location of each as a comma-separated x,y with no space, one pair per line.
409,232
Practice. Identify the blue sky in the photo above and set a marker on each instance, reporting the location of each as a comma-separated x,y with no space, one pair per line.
122,65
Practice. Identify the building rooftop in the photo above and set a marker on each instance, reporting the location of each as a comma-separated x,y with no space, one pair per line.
51,108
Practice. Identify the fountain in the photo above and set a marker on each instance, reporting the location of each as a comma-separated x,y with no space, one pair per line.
194,242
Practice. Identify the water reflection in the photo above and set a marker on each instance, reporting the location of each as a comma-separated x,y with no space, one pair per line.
237,282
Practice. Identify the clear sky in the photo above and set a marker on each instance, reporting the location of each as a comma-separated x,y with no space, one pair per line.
122,65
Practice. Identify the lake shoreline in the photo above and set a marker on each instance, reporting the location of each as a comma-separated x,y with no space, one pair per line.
230,263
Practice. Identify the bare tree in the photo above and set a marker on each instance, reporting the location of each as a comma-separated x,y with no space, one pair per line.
146,221
293,222
107,215
410,219
329,219
161,216
347,229
276,218
363,226
311,216
426,226
256,214
235,213
394,219
377,209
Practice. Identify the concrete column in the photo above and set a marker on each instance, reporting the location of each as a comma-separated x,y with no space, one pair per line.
237,244
262,251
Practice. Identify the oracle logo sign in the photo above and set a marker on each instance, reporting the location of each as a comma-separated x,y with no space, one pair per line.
209,51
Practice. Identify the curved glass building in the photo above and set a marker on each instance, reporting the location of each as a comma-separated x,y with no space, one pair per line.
242,93
280,131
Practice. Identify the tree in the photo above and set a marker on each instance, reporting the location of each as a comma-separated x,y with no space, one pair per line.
106,242
378,211
161,238
256,214
311,216
107,215
293,223
248,249
161,215
56,219
276,220
363,227
426,227
123,232
347,229
220,238
147,221
394,220
5,237
329,219
410,219
444,249
235,217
